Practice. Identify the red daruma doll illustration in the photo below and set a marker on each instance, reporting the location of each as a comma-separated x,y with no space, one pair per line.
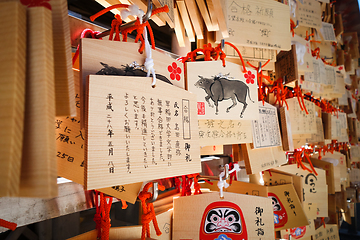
223,221
280,216
298,232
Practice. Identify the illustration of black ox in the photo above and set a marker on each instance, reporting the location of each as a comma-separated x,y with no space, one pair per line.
132,69
220,88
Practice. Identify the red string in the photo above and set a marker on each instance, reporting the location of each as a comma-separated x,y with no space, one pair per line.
292,27
238,52
84,34
123,204
105,216
6,224
102,215
186,186
323,221
280,92
316,53
212,53
148,213
260,78
196,183
97,216
233,175
115,26
98,14
300,97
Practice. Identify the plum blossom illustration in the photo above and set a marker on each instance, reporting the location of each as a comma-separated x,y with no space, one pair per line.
175,71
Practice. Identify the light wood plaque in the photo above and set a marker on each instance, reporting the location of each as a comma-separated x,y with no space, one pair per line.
137,133
12,95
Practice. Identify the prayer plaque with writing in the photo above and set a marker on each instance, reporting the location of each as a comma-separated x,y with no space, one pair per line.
259,23
137,133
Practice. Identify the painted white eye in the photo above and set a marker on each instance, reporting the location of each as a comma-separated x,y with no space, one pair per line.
230,219
214,218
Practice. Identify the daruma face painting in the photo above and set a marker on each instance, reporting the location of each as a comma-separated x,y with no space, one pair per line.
280,215
223,221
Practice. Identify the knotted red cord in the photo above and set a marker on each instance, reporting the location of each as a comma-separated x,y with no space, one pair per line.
186,186
300,155
316,53
123,204
105,216
115,26
148,213
299,95
84,34
97,216
323,221
6,224
306,155
196,183
233,175
292,27
299,158
102,215
280,92
139,27
213,53
260,77
307,38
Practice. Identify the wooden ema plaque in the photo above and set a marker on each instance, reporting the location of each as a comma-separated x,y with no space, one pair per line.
303,233
287,208
302,123
38,166
253,53
223,93
197,217
314,187
122,58
12,94
266,131
214,132
70,140
64,78
257,160
303,54
259,23
286,65
285,124
310,14
137,133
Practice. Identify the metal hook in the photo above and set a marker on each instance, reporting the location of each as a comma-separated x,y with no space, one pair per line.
155,192
226,169
148,13
297,24
222,44
314,149
284,80
259,71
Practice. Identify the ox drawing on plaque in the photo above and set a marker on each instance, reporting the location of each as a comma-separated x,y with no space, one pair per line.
223,92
